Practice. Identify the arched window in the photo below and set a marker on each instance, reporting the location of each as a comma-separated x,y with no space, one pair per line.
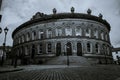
78,31
33,35
68,31
49,33
97,48
88,47
49,47
88,32
59,32
28,37
41,34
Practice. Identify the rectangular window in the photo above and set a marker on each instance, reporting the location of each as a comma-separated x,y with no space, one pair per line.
40,51
49,34
88,47
58,32
49,48
68,31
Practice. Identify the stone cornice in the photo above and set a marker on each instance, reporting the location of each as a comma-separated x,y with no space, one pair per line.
63,16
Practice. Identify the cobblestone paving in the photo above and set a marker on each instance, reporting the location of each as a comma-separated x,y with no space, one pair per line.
68,73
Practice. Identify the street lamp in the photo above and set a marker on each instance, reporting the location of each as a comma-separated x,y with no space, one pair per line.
67,54
0,30
4,50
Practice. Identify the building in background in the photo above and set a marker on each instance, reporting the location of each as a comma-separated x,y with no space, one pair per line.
60,34
116,55
7,53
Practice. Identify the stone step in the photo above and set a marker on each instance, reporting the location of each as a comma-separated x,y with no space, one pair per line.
73,60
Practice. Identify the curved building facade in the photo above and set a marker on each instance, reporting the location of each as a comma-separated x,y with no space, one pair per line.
61,34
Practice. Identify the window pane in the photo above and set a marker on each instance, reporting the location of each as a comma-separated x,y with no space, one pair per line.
78,31
49,47
41,34
68,31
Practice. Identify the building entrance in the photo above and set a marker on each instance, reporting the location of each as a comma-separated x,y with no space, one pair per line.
79,49
69,48
58,49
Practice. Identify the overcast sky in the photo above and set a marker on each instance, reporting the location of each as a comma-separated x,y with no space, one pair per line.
16,12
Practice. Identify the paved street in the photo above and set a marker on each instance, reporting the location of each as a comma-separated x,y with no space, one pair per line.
65,73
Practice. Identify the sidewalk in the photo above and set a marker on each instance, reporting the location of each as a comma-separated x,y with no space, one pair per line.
5,69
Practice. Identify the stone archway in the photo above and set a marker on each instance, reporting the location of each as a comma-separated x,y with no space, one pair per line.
58,49
79,49
69,48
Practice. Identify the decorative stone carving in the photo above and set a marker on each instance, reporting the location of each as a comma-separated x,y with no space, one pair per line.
89,11
72,9
100,15
54,10
38,15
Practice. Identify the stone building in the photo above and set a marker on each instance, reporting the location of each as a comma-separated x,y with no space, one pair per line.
60,34
6,53
116,55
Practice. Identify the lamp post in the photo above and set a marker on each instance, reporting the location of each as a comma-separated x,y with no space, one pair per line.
4,50
67,54
0,30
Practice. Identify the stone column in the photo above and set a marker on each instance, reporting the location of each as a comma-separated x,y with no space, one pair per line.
104,35
45,33
63,47
92,33
73,31
63,30
74,48
37,33
83,31
84,47
53,47
108,37
93,47
30,33
99,34
53,32
44,47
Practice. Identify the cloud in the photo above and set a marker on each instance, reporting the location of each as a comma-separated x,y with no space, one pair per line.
16,12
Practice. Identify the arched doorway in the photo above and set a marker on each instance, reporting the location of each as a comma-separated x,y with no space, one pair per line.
58,49
33,51
69,48
79,49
